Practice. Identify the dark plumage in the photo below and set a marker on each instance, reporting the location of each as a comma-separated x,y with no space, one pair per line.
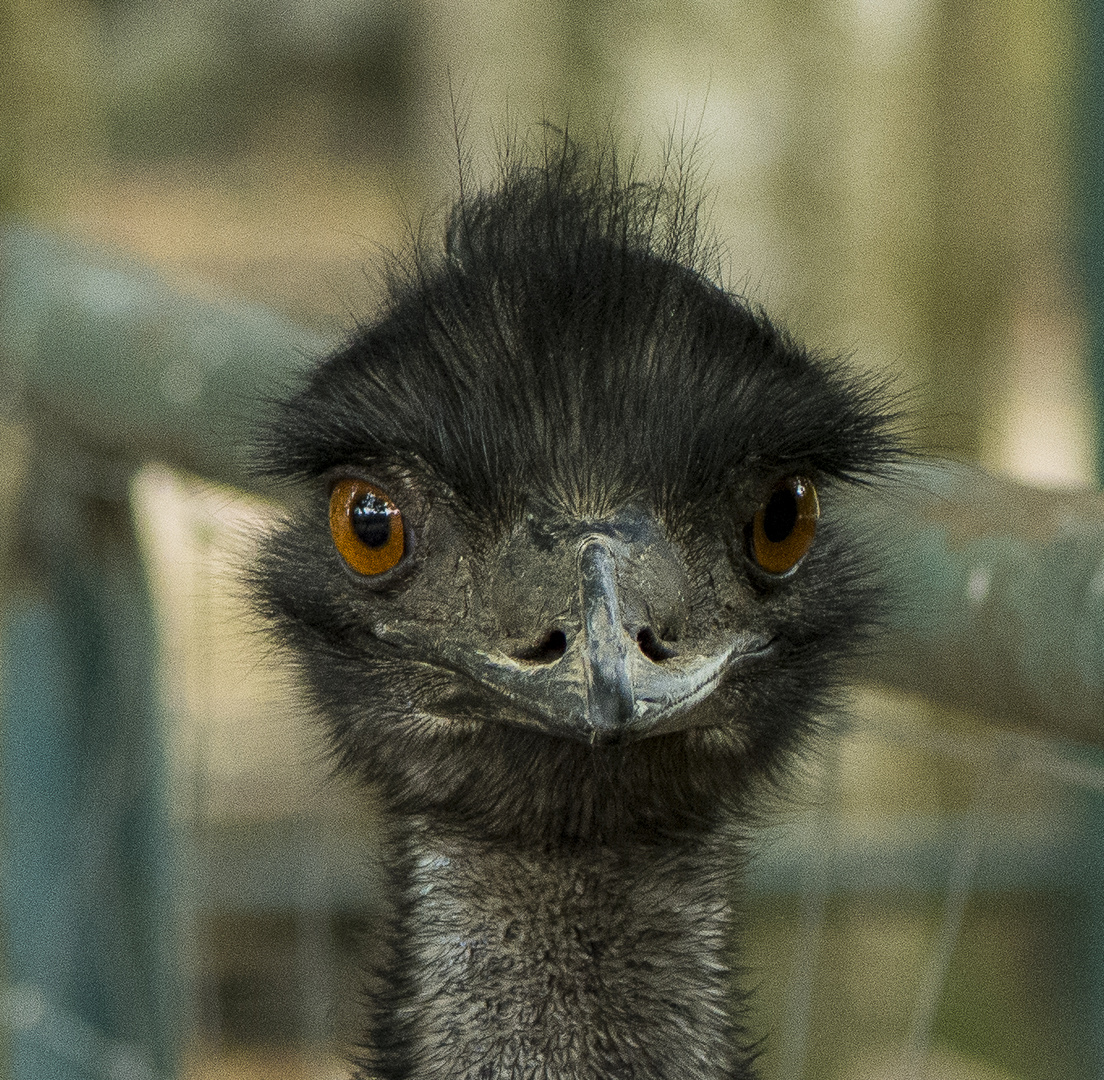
570,687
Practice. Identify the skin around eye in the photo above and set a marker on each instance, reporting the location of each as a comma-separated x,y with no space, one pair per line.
367,527
784,526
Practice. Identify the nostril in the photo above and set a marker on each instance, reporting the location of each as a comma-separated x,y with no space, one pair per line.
550,649
651,646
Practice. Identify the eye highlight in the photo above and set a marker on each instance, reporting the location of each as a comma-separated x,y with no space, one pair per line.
367,527
784,526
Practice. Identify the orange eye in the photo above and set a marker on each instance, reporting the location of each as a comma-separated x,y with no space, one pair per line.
366,525
785,525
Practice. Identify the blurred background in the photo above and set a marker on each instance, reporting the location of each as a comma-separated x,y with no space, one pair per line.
914,182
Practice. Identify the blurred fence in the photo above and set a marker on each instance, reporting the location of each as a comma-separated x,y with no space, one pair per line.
105,367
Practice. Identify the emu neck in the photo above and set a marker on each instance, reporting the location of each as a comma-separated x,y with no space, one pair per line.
588,962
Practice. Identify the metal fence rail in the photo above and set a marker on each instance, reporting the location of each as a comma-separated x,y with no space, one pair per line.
1001,586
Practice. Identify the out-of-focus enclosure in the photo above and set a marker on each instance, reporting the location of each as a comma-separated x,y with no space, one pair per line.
194,197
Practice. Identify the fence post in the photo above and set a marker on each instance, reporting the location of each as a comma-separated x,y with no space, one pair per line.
87,878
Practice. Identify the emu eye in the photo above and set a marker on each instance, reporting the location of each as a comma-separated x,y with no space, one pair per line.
366,525
784,526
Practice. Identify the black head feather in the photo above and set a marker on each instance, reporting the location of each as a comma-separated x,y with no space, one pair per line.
567,340
565,363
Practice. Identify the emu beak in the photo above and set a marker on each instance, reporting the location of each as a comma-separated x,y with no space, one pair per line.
629,695
603,688
605,648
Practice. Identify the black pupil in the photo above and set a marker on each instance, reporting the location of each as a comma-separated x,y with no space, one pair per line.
372,521
780,515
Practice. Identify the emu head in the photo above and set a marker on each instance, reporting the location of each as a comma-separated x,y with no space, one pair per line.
558,514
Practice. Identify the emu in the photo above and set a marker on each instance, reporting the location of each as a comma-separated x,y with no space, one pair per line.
567,580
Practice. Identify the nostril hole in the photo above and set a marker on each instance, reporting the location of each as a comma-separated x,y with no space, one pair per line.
652,647
548,650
